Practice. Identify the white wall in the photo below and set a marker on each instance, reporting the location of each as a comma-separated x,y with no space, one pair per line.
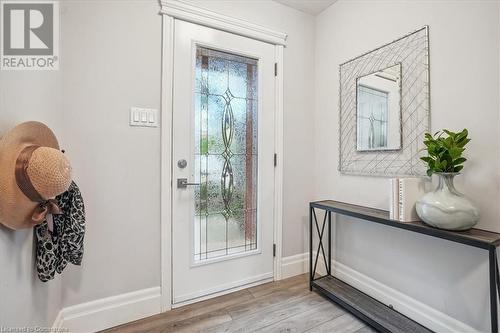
25,300
298,179
464,51
112,61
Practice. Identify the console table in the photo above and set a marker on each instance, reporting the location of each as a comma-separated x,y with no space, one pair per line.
376,314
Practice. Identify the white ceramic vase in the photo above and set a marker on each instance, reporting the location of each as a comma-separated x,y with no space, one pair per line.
446,208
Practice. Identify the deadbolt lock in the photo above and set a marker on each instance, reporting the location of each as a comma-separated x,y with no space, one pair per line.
182,163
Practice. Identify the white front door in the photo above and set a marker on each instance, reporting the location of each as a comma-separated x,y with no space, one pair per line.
223,147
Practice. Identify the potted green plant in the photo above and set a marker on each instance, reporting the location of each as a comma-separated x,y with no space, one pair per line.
446,208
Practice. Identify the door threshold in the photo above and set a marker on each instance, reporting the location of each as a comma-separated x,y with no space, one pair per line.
202,296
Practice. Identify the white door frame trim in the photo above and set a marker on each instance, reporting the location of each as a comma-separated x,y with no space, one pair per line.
278,169
174,9
166,161
194,14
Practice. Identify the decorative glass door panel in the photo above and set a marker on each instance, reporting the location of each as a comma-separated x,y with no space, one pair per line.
225,161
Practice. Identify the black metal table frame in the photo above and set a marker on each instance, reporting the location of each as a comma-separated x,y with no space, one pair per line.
494,276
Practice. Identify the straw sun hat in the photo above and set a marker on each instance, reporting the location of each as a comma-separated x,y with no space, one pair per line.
32,172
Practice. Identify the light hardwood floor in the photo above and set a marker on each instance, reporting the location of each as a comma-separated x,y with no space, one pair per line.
283,306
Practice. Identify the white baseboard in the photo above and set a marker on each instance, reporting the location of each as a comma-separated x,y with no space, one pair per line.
424,314
294,265
109,312
58,323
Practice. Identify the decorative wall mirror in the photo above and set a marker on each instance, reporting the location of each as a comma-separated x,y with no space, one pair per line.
384,108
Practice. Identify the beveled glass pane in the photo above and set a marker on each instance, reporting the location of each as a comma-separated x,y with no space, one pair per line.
238,144
200,241
215,203
236,230
216,106
216,233
225,154
217,76
198,77
238,79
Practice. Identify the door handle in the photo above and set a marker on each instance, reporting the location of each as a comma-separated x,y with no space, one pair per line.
183,183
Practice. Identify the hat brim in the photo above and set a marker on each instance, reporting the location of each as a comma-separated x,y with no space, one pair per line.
15,207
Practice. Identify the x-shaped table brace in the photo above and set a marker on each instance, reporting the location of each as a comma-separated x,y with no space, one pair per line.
321,248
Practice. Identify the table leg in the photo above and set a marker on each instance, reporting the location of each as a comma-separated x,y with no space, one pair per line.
329,243
311,273
493,290
498,277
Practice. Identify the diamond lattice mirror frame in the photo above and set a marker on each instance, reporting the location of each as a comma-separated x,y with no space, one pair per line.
412,51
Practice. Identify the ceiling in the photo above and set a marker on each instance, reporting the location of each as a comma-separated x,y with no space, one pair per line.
313,7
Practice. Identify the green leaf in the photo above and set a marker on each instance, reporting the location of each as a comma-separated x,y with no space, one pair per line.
460,136
458,168
455,152
448,142
450,133
462,143
426,159
459,160
432,163
429,172
432,149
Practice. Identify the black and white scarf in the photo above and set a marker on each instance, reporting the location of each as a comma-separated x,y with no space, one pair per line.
54,249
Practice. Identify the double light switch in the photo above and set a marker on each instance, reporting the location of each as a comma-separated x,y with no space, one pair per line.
143,117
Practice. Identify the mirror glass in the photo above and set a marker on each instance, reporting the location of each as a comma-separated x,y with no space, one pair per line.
378,110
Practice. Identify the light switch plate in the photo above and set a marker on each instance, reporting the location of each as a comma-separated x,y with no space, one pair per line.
143,117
